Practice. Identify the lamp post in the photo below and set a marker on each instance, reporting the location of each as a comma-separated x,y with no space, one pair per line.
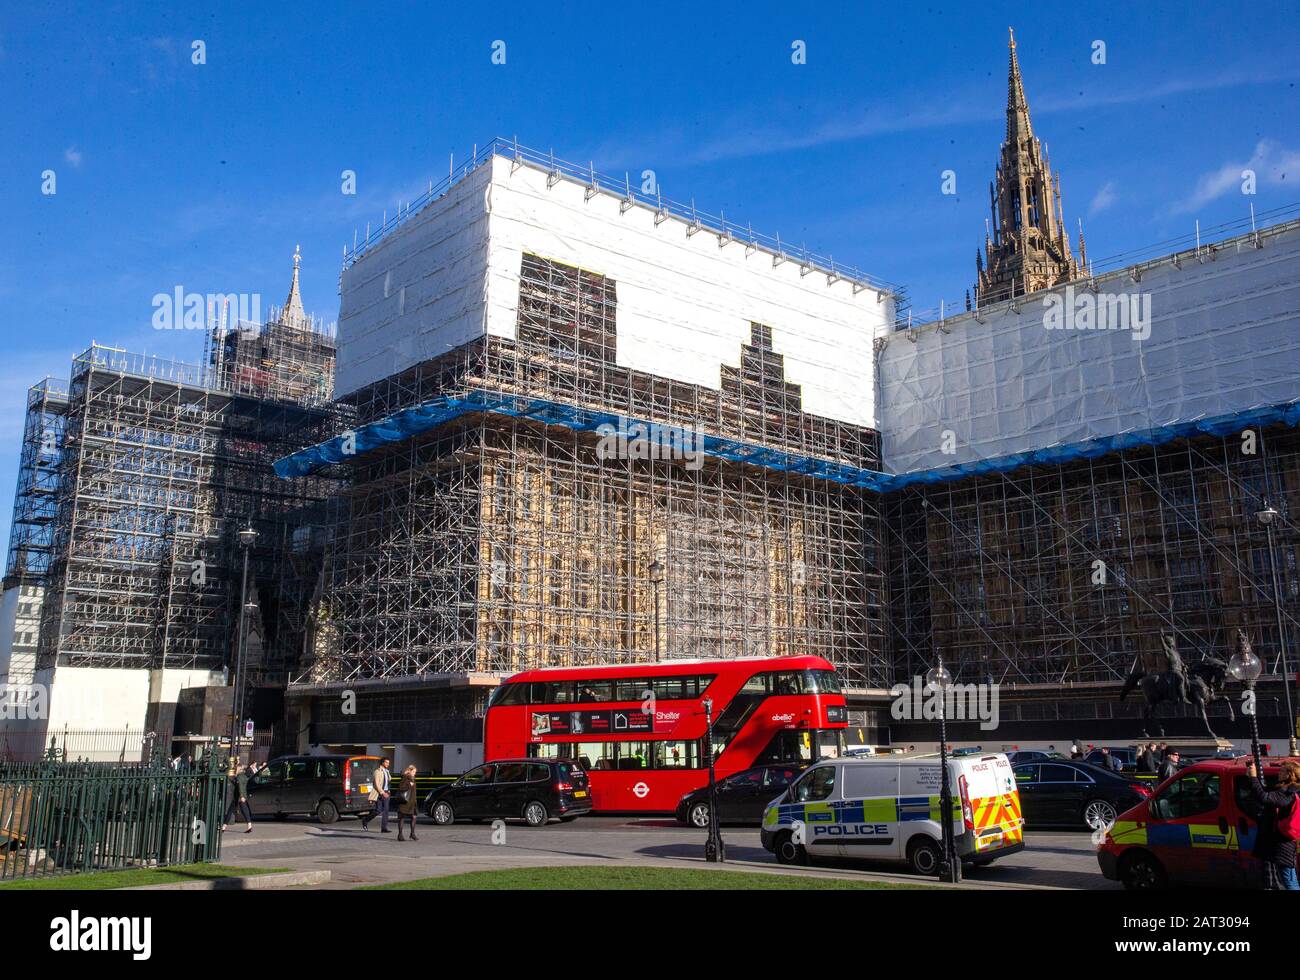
1268,516
1245,667
247,538
938,679
657,577
714,850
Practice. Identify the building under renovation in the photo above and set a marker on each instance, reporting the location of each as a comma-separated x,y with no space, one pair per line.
125,561
593,427
1063,498
1085,463
578,423
577,408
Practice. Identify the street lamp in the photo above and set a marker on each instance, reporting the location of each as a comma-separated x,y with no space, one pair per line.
714,850
247,538
1268,516
1245,667
938,679
657,577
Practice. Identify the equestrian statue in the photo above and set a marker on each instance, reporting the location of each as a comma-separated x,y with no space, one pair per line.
1163,676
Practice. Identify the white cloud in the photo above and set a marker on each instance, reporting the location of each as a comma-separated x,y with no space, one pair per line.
1271,162
1103,199
73,156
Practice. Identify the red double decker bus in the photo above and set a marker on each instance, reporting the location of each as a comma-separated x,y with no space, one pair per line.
639,730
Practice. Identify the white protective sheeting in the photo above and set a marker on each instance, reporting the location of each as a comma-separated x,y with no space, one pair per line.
418,293
1224,338
684,304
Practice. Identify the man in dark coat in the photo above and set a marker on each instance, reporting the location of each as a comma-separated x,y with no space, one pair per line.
1277,852
1170,765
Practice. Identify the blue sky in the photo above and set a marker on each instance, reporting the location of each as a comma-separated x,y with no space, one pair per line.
206,176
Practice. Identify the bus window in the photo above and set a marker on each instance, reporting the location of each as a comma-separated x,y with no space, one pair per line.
632,690
510,694
595,691
633,755
553,692
821,682
758,684
590,755
673,688
677,755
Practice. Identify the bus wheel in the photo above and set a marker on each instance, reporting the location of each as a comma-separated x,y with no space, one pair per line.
326,811
535,814
787,851
923,856
442,813
1141,872
698,815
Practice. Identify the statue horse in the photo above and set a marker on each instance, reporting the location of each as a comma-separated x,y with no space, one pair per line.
1204,684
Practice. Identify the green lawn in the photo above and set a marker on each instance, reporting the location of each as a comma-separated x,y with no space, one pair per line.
135,876
627,879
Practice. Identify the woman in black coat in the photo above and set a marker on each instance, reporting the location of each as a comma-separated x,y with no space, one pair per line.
1276,851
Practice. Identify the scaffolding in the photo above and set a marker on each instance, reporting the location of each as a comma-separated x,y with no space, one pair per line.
159,466
288,358
1054,579
31,537
496,543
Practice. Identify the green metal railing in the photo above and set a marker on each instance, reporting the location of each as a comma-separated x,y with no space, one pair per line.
69,817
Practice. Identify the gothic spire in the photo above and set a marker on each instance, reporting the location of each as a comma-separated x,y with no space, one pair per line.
293,315
1028,248
1018,127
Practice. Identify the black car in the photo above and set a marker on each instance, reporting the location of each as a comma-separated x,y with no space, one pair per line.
1067,793
742,797
534,790
325,786
1126,756
1031,755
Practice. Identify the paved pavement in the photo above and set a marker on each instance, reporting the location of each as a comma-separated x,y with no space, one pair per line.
356,857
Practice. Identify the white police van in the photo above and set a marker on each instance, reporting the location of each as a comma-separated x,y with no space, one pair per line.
887,808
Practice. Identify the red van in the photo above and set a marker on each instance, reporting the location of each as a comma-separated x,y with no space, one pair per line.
1197,828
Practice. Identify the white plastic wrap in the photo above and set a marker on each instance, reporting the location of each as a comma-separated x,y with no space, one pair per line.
1224,338
684,304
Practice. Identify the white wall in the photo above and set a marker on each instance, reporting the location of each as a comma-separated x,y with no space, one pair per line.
684,304
20,623
165,684
1224,338
86,698
419,293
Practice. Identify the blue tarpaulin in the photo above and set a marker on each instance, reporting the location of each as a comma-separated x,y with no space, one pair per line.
412,421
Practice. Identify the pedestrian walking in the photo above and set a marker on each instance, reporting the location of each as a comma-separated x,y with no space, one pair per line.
238,779
1278,825
407,803
1109,761
1146,760
383,780
1076,750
